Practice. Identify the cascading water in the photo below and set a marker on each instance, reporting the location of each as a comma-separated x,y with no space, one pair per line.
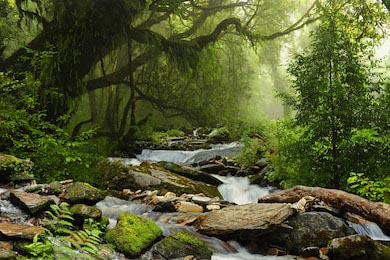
188,157
370,229
239,190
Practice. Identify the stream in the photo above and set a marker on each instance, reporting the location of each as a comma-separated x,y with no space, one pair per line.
234,189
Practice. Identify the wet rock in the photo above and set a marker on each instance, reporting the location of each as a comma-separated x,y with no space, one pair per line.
190,173
181,245
133,234
30,202
7,254
83,211
19,231
84,193
358,247
212,207
212,168
314,229
187,207
244,221
15,169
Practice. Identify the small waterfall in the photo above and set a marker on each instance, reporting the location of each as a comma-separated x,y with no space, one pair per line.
242,254
370,229
188,157
239,190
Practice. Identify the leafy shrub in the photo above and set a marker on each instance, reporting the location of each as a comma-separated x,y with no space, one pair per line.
375,190
26,134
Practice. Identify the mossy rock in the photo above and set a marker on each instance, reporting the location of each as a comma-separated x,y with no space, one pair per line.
7,254
84,211
190,173
15,169
358,247
180,245
83,193
153,177
219,135
133,234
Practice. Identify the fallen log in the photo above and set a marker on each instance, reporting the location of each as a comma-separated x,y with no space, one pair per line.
377,212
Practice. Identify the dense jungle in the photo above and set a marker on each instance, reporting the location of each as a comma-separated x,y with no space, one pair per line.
113,109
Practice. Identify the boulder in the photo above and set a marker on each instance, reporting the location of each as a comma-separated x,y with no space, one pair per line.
180,245
190,173
153,177
19,231
15,169
84,193
314,229
30,202
133,234
245,221
358,247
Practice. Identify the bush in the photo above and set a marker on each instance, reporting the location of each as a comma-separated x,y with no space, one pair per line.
26,134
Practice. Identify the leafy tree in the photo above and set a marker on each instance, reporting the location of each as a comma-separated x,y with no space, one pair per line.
335,96
83,37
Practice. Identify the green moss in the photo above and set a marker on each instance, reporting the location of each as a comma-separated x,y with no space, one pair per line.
182,244
15,169
133,234
81,192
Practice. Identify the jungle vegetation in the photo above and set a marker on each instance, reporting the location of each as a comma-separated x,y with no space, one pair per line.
73,73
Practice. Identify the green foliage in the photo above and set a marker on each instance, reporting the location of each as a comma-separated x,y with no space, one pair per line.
378,190
334,129
254,149
52,244
26,134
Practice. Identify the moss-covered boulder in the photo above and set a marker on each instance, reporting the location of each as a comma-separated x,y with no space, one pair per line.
358,247
15,169
133,234
180,245
219,135
83,193
195,175
152,177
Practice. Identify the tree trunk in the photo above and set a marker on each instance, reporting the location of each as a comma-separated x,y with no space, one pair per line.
378,212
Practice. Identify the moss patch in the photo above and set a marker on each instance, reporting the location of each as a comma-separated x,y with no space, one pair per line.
15,169
133,234
180,245
80,192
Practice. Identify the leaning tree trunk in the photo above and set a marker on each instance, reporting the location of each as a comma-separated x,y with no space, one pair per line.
378,212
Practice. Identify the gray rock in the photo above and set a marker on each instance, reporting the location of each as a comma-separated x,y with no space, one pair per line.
314,229
244,221
30,202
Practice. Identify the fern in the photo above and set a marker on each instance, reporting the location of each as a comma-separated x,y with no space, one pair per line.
60,226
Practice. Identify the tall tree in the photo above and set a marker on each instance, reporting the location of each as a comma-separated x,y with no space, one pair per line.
334,89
